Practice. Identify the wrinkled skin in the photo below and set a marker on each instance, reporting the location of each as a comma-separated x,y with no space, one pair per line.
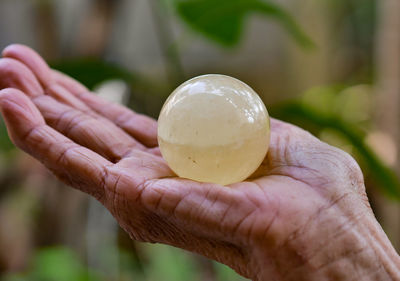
303,215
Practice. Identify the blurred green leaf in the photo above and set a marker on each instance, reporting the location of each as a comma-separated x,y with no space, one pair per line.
335,138
222,20
14,277
5,143
297,112
55,264
225,273
59,264
92,71
131,267
169,264
355,104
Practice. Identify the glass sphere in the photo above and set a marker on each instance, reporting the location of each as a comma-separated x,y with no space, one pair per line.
214,128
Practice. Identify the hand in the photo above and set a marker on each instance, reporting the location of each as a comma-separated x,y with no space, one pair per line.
303,215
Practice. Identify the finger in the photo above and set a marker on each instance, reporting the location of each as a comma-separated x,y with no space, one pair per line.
62,95
75,165
139,126
32,60
72,118
97,134
14,74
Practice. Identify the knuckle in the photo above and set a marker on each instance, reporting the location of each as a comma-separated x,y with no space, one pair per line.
352,168
65,155
348,170
125,118
27,141
332,166
151,197
111,185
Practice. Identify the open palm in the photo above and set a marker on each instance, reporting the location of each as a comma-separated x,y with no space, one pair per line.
257,226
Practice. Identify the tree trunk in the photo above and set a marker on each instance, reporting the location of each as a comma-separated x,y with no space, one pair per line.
388,101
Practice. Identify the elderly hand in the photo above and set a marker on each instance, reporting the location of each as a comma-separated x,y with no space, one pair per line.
303,215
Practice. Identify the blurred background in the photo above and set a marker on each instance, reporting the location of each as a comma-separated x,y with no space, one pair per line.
329,66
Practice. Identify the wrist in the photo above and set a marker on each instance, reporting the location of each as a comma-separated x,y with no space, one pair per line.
354,250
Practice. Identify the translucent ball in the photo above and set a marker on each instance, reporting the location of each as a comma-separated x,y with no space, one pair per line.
214,128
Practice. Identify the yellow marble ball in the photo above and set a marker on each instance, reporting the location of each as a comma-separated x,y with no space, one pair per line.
214,128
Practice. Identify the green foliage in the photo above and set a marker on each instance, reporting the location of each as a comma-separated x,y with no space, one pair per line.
225,273
223,20
162,262
169,264
55,264
5,143
58,264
